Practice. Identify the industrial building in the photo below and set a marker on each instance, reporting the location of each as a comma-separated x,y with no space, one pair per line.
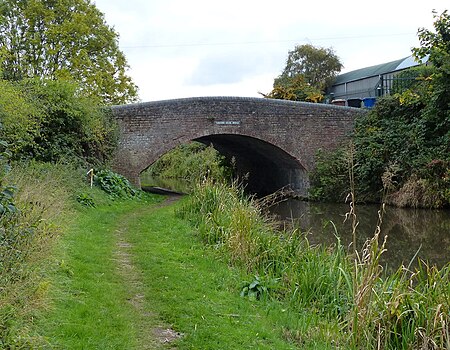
361,87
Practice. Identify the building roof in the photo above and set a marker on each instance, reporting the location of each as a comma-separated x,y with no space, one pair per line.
379,69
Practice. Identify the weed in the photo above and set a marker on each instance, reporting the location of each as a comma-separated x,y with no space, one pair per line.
117,186
259,288
85,199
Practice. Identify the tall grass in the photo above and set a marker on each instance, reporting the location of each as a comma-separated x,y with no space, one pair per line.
406,310
43,197
308,276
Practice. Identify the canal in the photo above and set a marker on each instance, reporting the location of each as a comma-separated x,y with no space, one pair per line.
411,232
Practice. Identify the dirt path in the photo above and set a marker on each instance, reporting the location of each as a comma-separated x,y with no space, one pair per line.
153,333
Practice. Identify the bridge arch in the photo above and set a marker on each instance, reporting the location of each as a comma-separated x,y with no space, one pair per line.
274,140
265,167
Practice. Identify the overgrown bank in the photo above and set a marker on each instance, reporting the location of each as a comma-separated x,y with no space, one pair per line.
356,305
126,275
402,147
37,202
279,291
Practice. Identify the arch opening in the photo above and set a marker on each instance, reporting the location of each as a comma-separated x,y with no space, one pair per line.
265,167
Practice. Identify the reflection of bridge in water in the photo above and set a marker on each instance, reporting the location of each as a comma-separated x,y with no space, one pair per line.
273,141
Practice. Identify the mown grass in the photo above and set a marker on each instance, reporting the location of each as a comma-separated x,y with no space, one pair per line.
89,308
197,292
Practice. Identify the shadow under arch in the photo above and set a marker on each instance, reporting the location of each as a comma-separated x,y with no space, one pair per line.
266,167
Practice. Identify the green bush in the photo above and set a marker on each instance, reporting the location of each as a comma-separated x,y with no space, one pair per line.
329,180
412,79
117,186
397,149
50,121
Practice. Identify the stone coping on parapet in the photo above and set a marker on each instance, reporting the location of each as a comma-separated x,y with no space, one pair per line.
266,101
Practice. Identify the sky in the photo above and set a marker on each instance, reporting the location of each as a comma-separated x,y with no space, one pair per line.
191,48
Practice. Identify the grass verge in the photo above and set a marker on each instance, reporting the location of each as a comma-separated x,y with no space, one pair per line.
129,275
89,307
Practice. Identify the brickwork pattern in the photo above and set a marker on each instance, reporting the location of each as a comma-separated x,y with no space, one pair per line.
148,130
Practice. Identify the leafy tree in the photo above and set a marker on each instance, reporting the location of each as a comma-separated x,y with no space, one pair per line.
437,45
318,65
20,119
48,120
295,89
63,39
308,73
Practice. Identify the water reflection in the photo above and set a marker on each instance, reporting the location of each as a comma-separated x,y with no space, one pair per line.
408,230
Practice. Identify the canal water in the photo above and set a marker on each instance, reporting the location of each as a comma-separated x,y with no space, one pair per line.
411,232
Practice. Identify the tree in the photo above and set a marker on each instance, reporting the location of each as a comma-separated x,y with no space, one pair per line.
437,46
63,39
19,118
295,89
317,68
48,120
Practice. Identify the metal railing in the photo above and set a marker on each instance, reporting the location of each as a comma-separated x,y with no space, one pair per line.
389,85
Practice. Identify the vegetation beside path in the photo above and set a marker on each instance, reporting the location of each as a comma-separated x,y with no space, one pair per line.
351,302
131,275
208,272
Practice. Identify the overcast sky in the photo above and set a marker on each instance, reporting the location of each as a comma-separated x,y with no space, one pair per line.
186,48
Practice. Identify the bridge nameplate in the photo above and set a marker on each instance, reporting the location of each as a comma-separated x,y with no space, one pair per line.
228,122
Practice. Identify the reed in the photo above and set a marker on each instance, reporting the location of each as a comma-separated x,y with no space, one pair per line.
404,310
307,276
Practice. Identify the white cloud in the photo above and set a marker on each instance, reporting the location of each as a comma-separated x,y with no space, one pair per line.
182,48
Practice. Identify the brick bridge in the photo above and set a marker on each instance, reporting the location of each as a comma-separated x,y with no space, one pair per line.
273,141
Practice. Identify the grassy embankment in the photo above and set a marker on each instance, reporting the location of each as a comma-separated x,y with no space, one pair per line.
128,274
352,302
123,275
133,273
